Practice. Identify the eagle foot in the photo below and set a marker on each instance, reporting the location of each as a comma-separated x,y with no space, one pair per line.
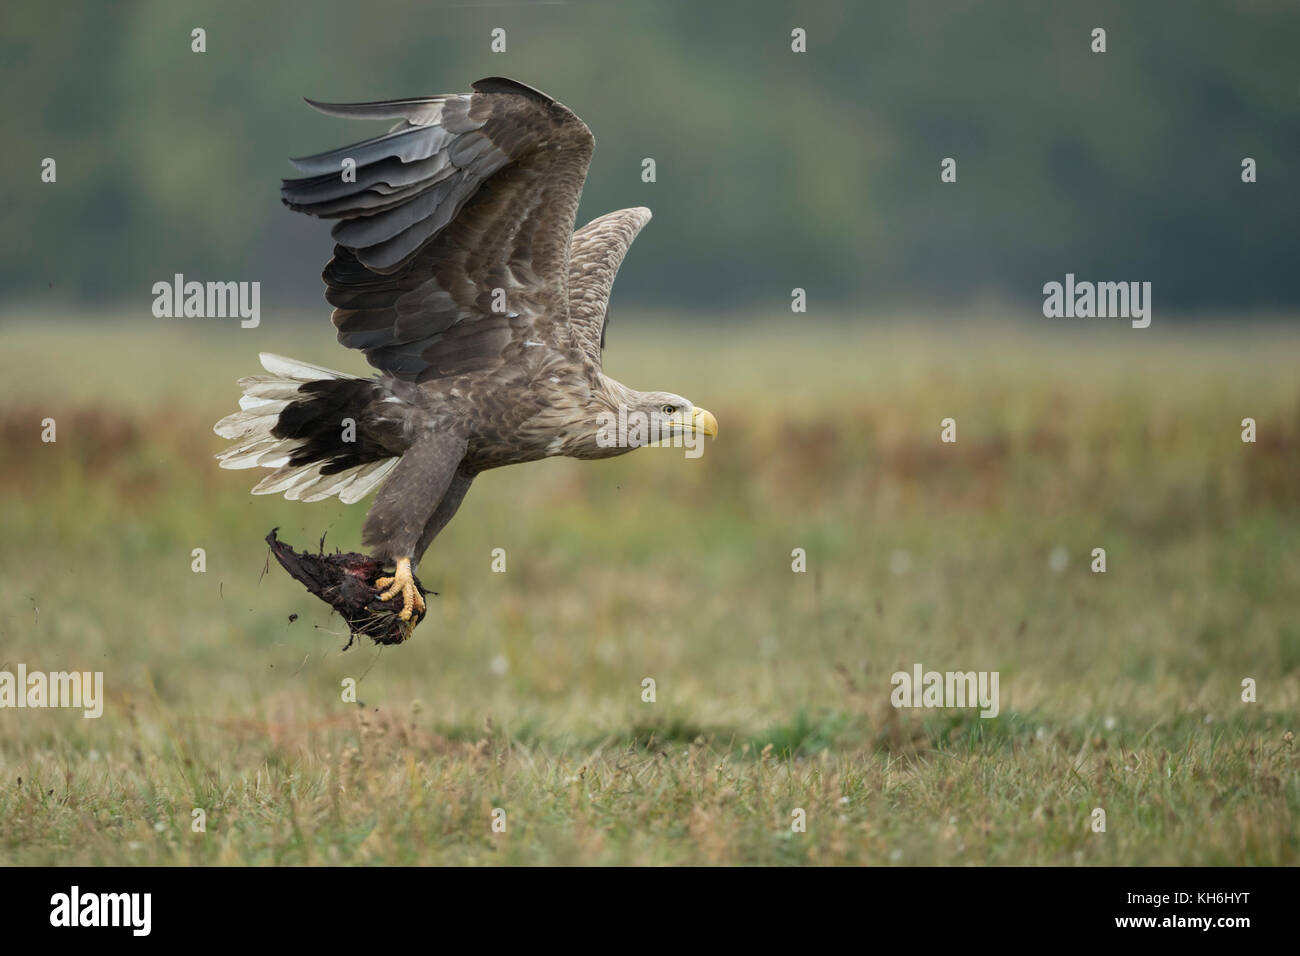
402,582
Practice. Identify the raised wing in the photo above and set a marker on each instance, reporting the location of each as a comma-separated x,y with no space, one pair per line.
597,252
453,244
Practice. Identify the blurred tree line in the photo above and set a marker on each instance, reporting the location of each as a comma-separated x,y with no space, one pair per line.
774,169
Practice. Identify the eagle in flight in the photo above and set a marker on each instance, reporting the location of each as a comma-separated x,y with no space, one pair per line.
457,271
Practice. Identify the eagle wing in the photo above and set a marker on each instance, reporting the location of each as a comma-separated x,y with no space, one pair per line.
455,227
598,251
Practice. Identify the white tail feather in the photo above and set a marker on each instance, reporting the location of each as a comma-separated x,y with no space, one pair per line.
295,370
242,424
256,447
367,479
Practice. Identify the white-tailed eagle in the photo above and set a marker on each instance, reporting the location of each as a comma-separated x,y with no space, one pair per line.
458,273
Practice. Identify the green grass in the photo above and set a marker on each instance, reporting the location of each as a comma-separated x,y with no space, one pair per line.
523,690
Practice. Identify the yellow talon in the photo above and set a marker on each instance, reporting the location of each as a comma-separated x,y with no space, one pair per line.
403,583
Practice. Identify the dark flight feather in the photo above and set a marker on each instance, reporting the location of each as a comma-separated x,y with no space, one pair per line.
468,194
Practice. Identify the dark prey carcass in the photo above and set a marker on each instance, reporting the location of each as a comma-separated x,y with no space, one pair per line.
346,582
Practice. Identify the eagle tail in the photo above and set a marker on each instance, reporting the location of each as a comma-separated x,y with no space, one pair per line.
296,421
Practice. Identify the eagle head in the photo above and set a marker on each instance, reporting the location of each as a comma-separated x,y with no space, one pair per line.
628,419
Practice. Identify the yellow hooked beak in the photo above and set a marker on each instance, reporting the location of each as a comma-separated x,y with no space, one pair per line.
704,422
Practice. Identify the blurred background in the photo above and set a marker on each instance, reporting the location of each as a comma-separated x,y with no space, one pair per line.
775,170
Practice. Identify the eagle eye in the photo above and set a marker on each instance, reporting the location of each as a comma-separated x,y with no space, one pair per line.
668,409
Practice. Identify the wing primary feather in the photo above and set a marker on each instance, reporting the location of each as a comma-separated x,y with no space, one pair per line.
416,110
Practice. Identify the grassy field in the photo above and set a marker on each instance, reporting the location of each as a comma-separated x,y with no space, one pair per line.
523,690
